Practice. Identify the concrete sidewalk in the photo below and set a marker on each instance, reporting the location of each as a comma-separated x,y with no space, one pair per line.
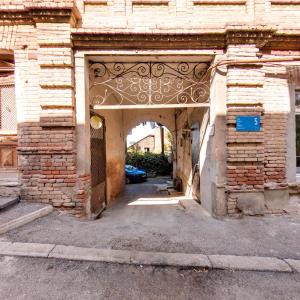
225,262
147,220
168,228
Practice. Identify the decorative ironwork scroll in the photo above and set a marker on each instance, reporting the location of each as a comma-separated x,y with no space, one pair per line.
148,83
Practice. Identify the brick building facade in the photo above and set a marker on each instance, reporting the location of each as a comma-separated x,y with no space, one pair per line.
252,51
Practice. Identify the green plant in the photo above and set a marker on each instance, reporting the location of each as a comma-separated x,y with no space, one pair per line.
150,162
134,149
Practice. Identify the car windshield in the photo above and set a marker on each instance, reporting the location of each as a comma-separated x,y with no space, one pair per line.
130,168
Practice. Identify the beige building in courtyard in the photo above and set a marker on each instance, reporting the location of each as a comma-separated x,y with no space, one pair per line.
158,142
222,75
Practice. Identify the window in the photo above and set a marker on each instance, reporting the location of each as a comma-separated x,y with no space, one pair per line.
8,126
297,111
147,149
8,118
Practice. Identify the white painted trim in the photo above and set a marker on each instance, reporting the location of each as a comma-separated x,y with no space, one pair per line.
188,54
137,106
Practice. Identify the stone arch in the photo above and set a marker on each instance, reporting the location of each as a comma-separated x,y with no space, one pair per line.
164,116
132,118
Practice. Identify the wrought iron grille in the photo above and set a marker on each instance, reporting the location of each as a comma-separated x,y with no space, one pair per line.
8,119
148,83
97,156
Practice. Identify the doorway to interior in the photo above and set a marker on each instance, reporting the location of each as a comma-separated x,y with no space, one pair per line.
171,94
134,140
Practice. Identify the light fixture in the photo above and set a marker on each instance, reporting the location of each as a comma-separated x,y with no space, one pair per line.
96,122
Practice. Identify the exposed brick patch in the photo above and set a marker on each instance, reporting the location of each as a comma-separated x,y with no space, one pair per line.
245,151
276,147
232,209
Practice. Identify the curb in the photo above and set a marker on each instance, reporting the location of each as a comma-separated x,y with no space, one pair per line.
294,264
249,263
25,249
164,259
25,219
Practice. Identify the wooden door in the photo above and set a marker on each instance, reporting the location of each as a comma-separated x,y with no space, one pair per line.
98,164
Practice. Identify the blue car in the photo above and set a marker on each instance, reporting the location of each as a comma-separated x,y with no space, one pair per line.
134,174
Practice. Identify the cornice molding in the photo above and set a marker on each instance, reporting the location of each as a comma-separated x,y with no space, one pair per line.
281,41
260,35
150,2
219,2
95,2
263,37
147,41
285,2
31,15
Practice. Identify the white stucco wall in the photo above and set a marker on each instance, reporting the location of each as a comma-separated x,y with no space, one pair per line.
213,149
115,152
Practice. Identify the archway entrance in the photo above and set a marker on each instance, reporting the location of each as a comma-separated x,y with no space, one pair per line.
170,92
118,125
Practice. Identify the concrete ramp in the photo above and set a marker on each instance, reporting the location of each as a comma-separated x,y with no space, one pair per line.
6,202
20,214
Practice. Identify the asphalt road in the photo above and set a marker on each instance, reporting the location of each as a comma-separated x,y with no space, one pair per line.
36,278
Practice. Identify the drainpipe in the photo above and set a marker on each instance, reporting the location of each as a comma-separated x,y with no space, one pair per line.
7,69
255,61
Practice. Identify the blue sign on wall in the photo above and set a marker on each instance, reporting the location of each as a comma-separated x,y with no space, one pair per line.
247,123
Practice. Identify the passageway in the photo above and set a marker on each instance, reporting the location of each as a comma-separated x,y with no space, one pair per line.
186,128
172,93
140,196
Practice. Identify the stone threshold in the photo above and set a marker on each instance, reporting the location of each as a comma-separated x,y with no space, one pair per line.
163,259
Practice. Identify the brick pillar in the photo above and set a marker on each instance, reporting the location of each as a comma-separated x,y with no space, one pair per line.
28,110
277,110
47,143
245,150
57,117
